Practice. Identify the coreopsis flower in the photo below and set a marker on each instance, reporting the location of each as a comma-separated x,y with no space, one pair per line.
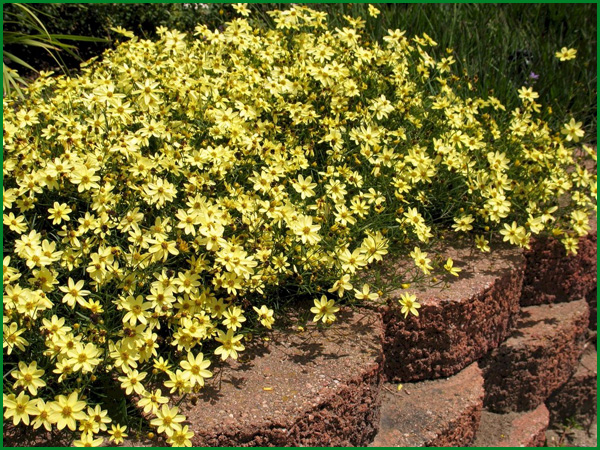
181,437
131,381
29,377
87,440
151,401
19,408
573,130
324,310
168,420
421,260
230,344
513,233
373,11
195,369
449,266
409,304
265,316
66,411
117,433
366,293
566,54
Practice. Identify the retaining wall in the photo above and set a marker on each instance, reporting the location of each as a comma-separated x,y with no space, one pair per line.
492,358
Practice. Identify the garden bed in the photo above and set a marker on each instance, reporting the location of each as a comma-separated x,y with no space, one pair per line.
167,208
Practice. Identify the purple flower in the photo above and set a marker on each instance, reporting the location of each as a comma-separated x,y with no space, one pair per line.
533,76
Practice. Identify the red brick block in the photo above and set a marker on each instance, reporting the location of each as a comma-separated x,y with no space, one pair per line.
539,357
318,387
551,276
458,323
577,397
592,299
438,413
526,429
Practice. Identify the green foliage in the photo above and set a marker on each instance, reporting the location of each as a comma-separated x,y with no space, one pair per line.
25,28
498,46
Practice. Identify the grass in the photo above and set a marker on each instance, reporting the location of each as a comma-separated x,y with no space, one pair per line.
497,46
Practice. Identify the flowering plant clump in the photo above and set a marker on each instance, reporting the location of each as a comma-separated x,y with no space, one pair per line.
161,205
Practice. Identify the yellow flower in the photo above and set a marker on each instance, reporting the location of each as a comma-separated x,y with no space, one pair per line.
409,304
195,369
42,415
99,416
122,31
167,420
136,310
340,286
131,382
421,260
84,358
233,318
117,433
482,243
65,411
11,338
29,377
513,233
308,232
324,310
366,294
19,408
304,186
161,364
181,437
373,12
242,8
59,212
178,382
87,440
230,344
528,94
265,315
573,130
16,224
449,266
151,401
74,292
463,223
565,54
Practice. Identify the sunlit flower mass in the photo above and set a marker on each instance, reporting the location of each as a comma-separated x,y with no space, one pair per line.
156,204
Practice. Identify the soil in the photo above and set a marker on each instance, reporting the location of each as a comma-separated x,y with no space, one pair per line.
573,436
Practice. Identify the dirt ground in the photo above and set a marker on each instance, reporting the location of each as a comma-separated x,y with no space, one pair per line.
587,436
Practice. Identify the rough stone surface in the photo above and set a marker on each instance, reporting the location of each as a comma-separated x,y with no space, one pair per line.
540,355
592,299
460,321
302,388
551,276
527,429
577,397
438,413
